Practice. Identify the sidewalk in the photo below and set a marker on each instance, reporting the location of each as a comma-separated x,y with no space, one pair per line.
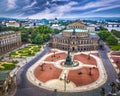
22,62
112,62
100,81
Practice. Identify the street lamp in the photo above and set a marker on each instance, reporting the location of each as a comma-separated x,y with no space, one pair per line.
65,82
90,51
26,60
89,55
90,71
42,69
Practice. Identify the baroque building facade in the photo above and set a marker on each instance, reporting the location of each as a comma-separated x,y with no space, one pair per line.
9,40
13,24
76,37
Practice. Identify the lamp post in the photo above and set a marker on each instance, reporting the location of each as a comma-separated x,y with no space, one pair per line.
90,71
89,55
54,52
90,50
65,82
42,66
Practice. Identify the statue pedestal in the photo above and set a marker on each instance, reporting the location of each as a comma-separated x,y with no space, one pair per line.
74,64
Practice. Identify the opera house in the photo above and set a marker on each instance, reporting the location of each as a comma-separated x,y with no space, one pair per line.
75,37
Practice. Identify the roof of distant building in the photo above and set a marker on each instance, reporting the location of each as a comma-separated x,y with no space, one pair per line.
113,23
76,30
58,35
93,35
55,25
7,32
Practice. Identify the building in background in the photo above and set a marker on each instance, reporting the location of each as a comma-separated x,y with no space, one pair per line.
76,24
91,28
44,22
9,40
57,26
76,38
112,25
13,24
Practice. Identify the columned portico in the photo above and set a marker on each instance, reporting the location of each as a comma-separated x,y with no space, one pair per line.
77,39
9,40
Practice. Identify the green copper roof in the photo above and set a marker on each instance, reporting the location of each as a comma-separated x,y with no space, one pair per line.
76,30
91,33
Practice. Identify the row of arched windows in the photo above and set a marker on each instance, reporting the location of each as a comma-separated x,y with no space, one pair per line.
9,40
88,41
76,26
77,48
9,47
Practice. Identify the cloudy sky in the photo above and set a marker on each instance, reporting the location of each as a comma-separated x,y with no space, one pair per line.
59,8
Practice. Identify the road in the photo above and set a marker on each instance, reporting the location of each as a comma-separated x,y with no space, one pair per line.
25,88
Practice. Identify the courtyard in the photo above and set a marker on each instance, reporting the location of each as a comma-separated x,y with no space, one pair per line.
48,72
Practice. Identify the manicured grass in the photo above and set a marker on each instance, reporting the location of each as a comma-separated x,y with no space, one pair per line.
8,66
27,51
13,53
115,47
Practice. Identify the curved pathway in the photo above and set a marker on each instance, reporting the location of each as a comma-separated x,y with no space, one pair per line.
92,84
25,88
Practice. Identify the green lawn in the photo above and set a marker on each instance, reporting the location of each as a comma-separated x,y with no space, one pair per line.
115,47
13,53
7,65
27,51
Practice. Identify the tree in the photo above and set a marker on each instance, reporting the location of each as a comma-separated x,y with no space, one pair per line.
111,40
37,35
46,37
25,35
34,33
56,31
104,34
103,28
116,33
38,39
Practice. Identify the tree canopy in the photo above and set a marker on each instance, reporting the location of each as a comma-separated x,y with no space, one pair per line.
107,36
103,28
104,34
111,40
37,35
116,33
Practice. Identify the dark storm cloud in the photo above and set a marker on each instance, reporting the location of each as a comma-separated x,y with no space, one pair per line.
59,8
